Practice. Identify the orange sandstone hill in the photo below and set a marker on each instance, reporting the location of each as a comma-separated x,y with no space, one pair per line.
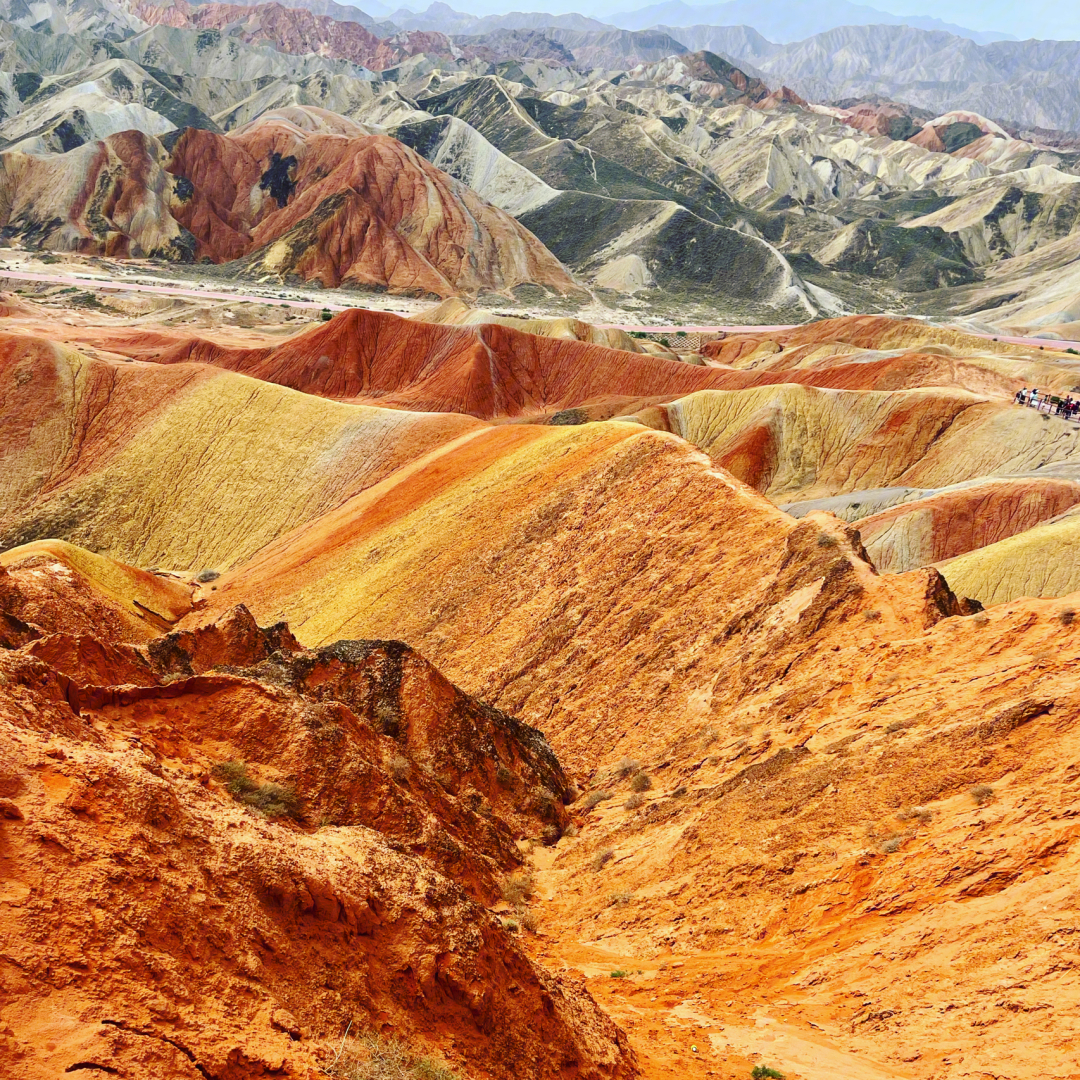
353,209
903,415
826,821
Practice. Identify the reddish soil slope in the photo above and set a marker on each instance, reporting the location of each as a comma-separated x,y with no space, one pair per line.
954,522
486,371
489,370
854,782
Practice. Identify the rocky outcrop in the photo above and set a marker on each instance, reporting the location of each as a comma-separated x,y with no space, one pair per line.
364,211
820,742
337,822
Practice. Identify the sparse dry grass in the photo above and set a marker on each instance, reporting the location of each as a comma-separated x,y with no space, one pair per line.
601,859
373,1057
923,814
641,782
634,801
900,725
626,766
595,798
518,887
982,794
268,799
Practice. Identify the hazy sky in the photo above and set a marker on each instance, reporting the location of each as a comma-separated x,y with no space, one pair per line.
1025,18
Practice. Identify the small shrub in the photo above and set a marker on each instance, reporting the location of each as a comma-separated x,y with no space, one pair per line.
503,775
892,844
571,829
203,576
399,768
763,1072
618,973
546,802
871,616
899,725
595,798
620,899
386,713
269,799
1067,616
519,887
510,924
824,540
634,801
627,766
326,314
601,859
427,1069
549,835
529,920
641,782
982,794
921,814
372,1057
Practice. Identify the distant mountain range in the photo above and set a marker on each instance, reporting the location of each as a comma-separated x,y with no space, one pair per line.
1027,83
784,20
778,20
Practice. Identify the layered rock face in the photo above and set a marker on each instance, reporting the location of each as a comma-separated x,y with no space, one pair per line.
353,209
335,822
363,211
